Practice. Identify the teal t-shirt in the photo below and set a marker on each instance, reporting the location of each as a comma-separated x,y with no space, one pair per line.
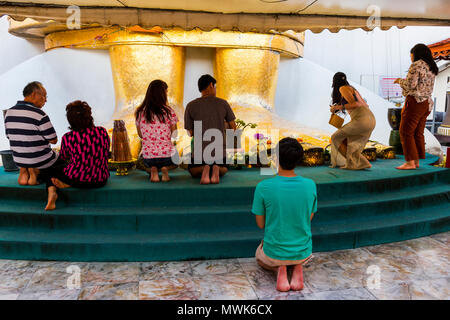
287,203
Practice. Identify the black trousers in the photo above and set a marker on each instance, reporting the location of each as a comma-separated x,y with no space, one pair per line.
57,171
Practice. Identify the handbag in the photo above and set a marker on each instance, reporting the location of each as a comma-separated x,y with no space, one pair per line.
336,121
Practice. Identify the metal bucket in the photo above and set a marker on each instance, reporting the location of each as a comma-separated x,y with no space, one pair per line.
7,160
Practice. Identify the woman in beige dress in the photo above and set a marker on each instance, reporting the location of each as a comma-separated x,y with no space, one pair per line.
350,140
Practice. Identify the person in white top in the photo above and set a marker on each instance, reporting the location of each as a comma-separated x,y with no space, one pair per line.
417,88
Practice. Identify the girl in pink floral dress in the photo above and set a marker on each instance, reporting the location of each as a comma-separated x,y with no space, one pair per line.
155,122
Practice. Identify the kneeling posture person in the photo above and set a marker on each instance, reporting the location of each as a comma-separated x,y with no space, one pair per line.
30,134
83,158
284,206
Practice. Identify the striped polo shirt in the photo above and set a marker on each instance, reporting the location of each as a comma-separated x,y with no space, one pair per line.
29,131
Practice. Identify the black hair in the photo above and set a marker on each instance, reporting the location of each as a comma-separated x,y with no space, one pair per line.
204,81
339,80
422,52
155,102
32,87
79,115
290,153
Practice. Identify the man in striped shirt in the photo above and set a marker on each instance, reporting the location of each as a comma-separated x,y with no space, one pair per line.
30,134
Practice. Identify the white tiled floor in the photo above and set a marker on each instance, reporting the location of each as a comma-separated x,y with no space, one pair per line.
414,269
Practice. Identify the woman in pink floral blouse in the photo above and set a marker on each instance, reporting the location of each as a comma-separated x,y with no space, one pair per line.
155,122
417,88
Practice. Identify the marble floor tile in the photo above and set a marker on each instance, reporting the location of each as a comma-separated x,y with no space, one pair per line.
168,289
398,262
56,264
442,237
15,264
49,278
319,260
95,274
264,283
397,291
349,257
290,295
392,251
425,243
346,294
361,266
246,260
62,294
413,269
164,270
418,290
434,262
400,271
15,280
436,288
249,264
233,286
11,296
118,291
329,277
208,267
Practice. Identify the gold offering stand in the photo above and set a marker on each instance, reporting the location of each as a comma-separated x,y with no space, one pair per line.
121,159
121,167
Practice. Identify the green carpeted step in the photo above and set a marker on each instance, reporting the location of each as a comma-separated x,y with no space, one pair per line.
236,188
138,247
415,224
174,195
215,218
99,246
133,220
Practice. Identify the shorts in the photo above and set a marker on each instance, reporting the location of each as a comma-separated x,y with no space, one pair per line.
261,256
158,162
194,165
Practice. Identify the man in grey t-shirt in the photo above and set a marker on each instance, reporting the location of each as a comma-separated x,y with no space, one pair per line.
213,114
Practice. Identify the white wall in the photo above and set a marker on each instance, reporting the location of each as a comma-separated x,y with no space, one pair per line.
67,75
368,55
199,61
14,50
441,87
304,95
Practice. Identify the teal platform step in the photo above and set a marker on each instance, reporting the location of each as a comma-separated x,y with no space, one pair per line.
133,220
79,246
195,219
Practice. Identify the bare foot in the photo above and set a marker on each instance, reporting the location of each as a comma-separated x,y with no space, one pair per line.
52,197
33,173
215,179
59,184
407,166
297,278
282,280
165,174
154,177
23,177
205,175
